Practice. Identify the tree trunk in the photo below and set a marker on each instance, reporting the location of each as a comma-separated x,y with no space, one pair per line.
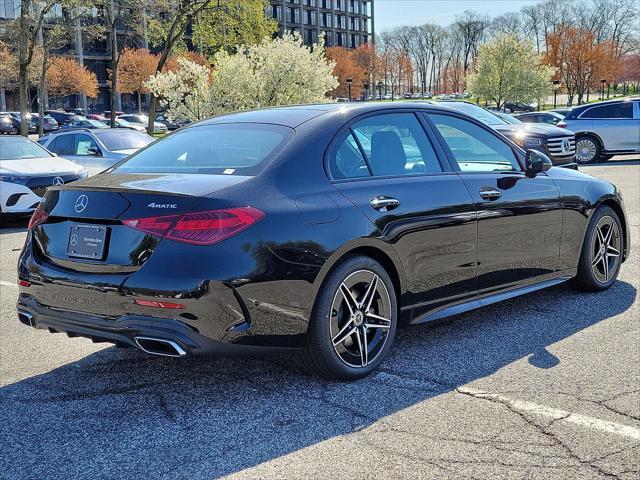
41,91
139,102
114,66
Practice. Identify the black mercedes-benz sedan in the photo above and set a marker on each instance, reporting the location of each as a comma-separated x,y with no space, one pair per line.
315,230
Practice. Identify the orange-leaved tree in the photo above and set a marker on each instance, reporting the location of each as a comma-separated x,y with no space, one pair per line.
135,67
346,69
581,60
67,77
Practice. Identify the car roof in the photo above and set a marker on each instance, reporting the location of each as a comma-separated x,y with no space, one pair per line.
294,116
586,106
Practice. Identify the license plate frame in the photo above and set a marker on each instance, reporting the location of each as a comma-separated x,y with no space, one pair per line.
87,241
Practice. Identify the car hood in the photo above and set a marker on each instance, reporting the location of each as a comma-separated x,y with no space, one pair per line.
39,166
539,129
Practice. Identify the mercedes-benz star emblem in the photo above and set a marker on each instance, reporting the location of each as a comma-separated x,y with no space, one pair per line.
81,203
58,181
566,146
74,240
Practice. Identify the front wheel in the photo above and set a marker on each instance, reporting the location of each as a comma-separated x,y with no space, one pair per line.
587,149
602,249
353,322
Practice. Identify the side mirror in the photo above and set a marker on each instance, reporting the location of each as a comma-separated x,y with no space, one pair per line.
94,152
536,162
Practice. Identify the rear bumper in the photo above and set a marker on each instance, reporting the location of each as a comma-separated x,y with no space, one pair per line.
124,330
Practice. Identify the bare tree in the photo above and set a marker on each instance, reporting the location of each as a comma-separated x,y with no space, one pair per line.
471,27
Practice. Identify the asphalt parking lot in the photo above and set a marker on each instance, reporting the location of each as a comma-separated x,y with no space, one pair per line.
544,386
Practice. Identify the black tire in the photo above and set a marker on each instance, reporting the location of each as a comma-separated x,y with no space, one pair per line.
330,349
588,149
591,276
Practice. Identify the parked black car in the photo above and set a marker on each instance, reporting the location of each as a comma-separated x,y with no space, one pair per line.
8,124
519,107
31,124
49,123
316,228
62,117
557,143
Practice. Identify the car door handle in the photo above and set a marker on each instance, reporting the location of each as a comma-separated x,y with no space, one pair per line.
384,203
489,194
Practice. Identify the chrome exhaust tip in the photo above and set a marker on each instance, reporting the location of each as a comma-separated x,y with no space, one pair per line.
160,346
26,318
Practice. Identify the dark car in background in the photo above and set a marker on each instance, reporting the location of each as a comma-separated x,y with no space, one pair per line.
315,229
62,117
172,124
84,123
8,125
32,127
550,118
557,143
605,129
518,107
49,124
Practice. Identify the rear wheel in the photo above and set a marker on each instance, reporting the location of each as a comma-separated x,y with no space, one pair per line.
353,322
587,149
601,252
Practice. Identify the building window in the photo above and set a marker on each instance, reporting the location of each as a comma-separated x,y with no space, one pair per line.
276,12
365,8
310,17
294,15
354,40
355,23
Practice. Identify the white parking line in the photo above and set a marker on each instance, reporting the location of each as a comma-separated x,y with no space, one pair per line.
556,414
8,284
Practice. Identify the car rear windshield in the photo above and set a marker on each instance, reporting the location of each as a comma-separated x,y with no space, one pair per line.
120,139
226,149
11,149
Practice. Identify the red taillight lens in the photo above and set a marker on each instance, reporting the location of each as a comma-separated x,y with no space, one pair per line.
561,125
201,228
39,216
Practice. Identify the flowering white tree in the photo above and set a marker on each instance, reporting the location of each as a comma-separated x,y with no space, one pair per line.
283,71
276,72
185,93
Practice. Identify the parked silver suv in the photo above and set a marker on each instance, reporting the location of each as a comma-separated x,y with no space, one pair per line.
95,149
605,129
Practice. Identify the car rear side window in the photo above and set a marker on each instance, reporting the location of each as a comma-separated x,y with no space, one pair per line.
614,110
475,149
396,144
348,162
226,149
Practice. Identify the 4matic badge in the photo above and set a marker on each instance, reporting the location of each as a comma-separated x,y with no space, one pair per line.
162,205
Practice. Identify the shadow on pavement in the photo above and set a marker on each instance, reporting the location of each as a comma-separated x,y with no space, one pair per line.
13,223
120,414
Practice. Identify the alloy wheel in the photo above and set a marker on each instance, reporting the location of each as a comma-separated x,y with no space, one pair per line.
605,249
586,151
360,318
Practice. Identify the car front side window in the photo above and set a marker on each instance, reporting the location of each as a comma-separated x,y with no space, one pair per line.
473,148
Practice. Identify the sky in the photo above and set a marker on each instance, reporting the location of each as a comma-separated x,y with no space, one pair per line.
394,13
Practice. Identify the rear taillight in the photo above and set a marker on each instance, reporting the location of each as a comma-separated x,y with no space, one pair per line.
561,125
201,228
39,216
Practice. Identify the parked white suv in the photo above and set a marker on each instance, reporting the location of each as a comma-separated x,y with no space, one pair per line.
605,129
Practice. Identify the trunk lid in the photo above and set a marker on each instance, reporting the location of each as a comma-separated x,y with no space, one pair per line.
84,230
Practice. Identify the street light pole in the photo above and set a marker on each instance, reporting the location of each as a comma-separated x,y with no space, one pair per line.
603,81
380,85
556,86
349,82
365,95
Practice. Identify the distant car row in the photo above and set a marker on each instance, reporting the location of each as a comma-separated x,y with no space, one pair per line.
54,120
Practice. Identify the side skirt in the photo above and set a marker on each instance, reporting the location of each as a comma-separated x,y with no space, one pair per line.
489,299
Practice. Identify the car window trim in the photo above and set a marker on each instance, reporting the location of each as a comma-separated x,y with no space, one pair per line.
515,149
333,144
